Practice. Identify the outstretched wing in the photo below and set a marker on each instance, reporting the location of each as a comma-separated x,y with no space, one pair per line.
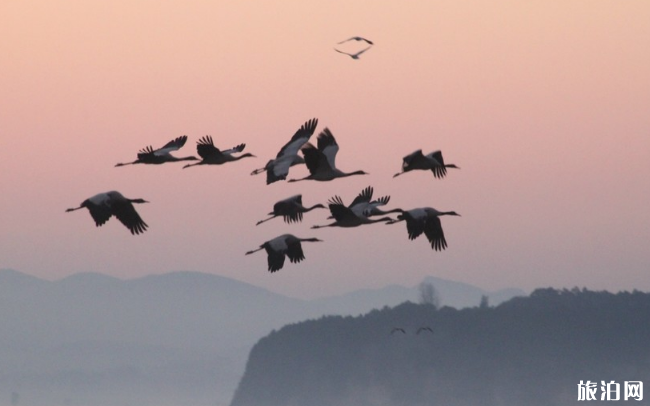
408,160
314,158
125,212
100,214
341,213
149,153
364,197
275,260
362,51
299,138
238,148
415,223
336,200
146,153
382,201
278,169
205,147
439,171
328,146
294,251
173,145
356,39
434,233
341,52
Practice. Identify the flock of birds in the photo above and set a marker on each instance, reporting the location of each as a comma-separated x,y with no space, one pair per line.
320,161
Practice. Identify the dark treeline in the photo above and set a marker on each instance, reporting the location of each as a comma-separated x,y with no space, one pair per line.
530,350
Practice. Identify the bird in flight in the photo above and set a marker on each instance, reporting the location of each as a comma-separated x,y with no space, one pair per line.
425,220
148,155
356,39
355,55
321,161
418,161
364,205
291,209
278,168
278,247
104,205
421,329
211,155
347,216
397,329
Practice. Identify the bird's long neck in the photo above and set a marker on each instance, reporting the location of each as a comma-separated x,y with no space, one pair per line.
379,211
254,251
128,163
198,163
316,206
74,208
326,225
343,174
379,220
187,158
262,221
237,158
310,239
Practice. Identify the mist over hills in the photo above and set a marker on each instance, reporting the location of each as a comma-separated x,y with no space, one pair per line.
528,351
94,339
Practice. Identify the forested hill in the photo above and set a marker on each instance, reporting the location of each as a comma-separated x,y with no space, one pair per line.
527,351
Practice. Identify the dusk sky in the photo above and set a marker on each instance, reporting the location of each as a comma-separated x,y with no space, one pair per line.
544,105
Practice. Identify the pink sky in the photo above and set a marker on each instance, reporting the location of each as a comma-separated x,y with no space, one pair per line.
543,104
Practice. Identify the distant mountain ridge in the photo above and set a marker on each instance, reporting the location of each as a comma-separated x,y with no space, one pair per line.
195,324
533,350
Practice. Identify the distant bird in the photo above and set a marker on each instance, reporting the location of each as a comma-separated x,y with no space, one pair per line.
356,39
104,205
397,329
148,155
421,329
346,217
321,161
432,161
364,205
278,247
291,209
425,220
213,156
278,168
355,55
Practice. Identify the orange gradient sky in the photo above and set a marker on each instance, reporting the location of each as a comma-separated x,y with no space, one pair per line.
543,104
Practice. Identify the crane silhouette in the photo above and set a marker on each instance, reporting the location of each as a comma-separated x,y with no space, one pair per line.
291,209
211,155
364,205
321,161
425,220
278,168
104,205
148,155
433,162
346,217
278,247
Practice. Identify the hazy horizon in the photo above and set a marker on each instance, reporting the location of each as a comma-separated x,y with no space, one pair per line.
543,105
